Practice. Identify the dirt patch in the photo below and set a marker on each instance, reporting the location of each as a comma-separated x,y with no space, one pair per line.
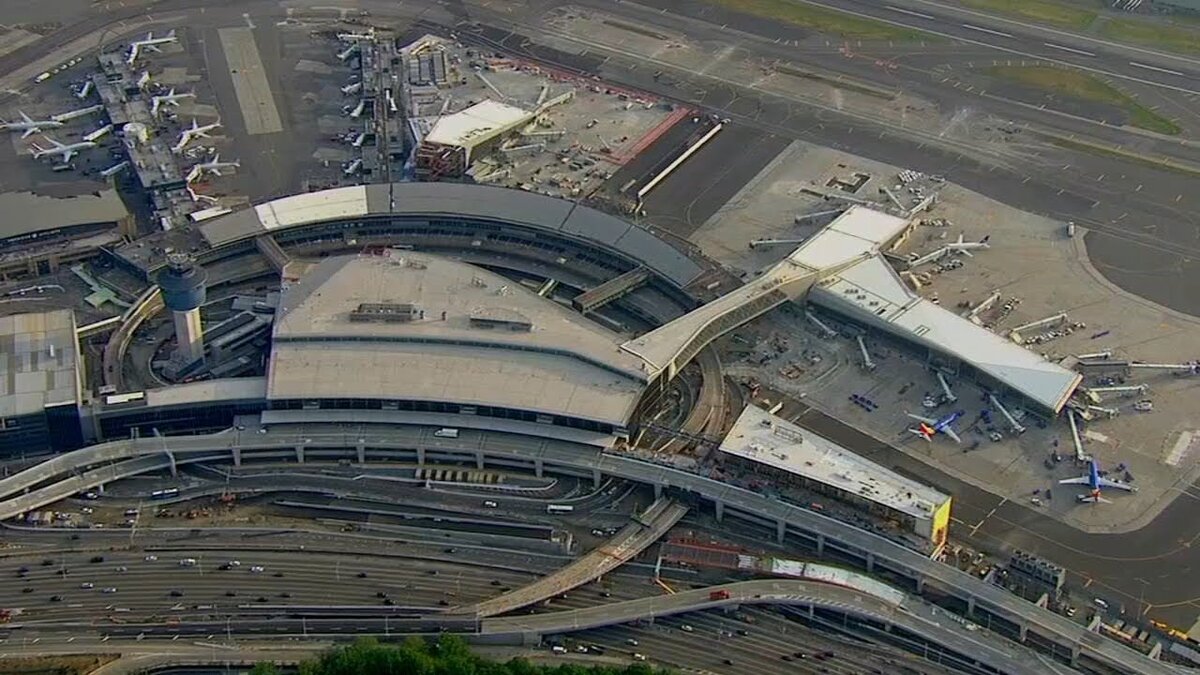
55,665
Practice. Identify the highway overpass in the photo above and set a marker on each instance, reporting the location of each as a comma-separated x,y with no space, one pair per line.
66,474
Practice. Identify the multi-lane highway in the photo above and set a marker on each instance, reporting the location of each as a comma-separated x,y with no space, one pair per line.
824,533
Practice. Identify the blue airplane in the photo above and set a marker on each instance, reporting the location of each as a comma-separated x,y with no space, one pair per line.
1095,481
928,427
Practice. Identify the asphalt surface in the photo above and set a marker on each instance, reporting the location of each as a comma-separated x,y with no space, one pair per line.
1142,221
1149,570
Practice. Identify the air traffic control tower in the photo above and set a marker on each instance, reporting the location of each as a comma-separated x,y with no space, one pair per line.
183,290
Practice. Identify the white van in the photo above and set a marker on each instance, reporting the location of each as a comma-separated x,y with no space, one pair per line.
187,562
489,504
446,432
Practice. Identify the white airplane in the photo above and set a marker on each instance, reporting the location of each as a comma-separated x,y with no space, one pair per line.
347,52
359,139
189,135
351,37
114,169
65,151
965,247
151,43
353,167
143,80
352,88
1095,481
84,91
80,112
171,98
358,109
30,127
214,167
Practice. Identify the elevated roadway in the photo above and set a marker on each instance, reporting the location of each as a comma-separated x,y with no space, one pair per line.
975,648
1021,620
655,522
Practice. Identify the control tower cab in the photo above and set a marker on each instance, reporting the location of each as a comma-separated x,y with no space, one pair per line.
182,283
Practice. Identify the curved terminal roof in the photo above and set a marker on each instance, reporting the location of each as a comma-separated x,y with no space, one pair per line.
456,200
426,328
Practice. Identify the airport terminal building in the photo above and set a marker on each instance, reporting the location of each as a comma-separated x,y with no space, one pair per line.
762,444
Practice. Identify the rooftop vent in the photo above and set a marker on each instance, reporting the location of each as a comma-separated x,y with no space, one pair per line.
386,313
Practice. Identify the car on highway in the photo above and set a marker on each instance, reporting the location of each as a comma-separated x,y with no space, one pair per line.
234,563
631,642
97,559
687,628
489,504
362,575
56,598
176,593
47,562
187,562
87,585
151,558
122,569
22,571
27,589
109,589
257,569
639,657
231,594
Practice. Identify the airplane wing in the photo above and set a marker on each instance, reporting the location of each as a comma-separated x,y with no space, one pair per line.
1082,480
926,420
1118,485
951,433
29,132
25,118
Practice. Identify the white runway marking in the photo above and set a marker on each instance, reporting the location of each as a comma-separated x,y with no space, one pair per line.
909,12
1161,70
1068,49
981,29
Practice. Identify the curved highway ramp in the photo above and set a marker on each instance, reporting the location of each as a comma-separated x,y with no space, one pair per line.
652,524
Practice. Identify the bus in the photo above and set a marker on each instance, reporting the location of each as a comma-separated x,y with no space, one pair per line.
559,508
165,494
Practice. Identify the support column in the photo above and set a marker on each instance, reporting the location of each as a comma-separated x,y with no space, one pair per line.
237,456
174,467
920,585
1074,655
971,606
361,450
420,456
479,459
780,530
596,476
870,562
720,511
657,491
1022,630
537,468
820,545
300,454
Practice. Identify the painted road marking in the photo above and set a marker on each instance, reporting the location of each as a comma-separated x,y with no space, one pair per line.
1068,49
981,29
910,12
1161,70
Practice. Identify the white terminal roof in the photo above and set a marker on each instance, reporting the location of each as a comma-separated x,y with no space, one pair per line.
872,292
476,124
563,364
38,357
857,232
761,437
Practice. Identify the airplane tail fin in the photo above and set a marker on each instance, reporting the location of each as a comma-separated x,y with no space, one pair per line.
37,149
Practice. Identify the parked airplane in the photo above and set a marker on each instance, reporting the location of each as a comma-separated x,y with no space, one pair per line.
170,98
151,43
352,88
30,127
1095,481
84,91
358,109
143,80
65,151
929,427
213,166
351,37
189,135
965,247
353,167
80,112
347,52
359,139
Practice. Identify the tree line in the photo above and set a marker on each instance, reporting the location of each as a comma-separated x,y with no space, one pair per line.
449,655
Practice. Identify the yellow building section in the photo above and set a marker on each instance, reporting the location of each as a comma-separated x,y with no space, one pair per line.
941,524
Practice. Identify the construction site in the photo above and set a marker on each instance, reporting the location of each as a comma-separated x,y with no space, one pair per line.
493,118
